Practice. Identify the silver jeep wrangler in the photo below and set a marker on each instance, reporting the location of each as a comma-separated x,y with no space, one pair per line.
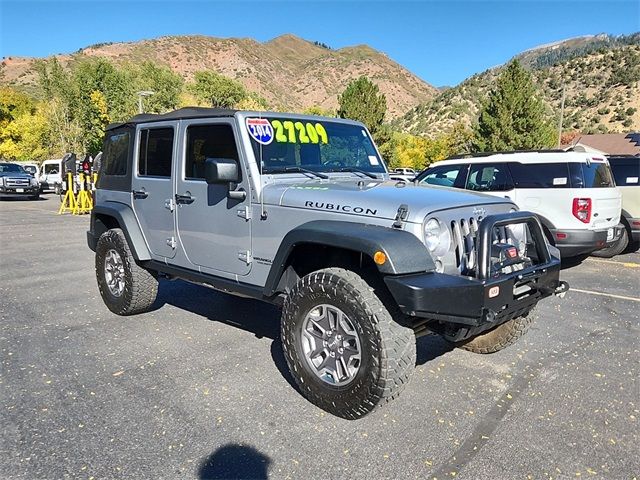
300,210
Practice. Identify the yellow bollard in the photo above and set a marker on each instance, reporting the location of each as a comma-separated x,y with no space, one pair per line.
84,203
69,202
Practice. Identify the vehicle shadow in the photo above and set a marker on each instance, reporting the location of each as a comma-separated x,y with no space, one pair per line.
259,318
572,261
235,461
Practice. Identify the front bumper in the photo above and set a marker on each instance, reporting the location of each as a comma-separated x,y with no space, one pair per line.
19,191
460,307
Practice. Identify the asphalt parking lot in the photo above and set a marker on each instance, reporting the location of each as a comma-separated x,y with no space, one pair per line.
198,388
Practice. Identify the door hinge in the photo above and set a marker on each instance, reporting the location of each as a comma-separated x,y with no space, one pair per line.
169,204
171,241
245,213
245,256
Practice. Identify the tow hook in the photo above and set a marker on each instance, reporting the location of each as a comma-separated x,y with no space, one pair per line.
561,290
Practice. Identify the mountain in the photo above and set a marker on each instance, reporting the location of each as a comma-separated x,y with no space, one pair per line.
291,73
600,74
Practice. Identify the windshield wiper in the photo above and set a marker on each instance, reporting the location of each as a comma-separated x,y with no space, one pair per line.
297,170
357,170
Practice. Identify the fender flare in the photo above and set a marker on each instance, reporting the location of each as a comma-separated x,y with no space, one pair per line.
125,217
404,251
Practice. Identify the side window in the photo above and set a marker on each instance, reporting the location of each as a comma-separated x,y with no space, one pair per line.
489,178
626,172
208,141
540,175
444,175
116,151
155,152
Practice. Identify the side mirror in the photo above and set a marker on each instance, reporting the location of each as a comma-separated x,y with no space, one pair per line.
221,170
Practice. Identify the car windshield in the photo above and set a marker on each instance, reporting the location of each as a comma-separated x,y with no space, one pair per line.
11,168
312,144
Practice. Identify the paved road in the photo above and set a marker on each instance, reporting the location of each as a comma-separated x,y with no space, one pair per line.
198,388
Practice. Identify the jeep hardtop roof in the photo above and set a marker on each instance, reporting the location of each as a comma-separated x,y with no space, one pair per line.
536,156
180,114
205,112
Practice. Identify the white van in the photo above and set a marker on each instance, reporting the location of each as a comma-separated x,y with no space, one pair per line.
50,177
573,193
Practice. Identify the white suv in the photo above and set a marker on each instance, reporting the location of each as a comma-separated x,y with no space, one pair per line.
573,193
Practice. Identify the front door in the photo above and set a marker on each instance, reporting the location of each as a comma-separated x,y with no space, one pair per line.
153,201
214,230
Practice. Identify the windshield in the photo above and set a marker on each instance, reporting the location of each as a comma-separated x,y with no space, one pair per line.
313,144
11,168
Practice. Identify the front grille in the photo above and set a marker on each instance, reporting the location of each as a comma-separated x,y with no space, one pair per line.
17,182
464,232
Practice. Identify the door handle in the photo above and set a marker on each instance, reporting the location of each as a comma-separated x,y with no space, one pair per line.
140,194
185,199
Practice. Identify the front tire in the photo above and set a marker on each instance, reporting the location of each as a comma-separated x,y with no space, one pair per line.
344,350
126,288
499,337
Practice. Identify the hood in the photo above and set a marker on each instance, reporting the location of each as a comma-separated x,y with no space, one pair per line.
15,175
374,198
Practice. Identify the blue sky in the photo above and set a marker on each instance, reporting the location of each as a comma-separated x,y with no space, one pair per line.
442,42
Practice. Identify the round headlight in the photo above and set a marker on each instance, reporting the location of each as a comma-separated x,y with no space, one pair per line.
436,237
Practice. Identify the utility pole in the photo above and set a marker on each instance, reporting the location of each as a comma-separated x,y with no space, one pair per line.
143,93
561,116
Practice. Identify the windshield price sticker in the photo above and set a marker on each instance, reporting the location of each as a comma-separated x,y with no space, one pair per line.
261,130
288,131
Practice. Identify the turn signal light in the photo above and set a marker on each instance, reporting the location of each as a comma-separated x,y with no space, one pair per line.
582,209
379,257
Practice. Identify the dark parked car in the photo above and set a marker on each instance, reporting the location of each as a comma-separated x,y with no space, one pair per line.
15,181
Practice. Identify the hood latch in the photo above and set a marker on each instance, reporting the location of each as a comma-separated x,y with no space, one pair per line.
401,215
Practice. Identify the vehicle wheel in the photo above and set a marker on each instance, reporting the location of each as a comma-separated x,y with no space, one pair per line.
57,189
500,337
125,286
616,248
345,351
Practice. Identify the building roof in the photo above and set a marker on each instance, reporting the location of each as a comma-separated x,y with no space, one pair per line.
609,143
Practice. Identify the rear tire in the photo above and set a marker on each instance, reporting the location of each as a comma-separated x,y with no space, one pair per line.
500,337
126,288
615,248
386,351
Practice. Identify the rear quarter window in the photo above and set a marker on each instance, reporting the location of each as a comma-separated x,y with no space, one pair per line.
596,175
115,154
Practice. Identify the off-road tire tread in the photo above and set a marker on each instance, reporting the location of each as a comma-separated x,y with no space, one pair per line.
500,337
141,285
398,354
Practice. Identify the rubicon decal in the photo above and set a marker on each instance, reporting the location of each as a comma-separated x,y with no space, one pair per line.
341,208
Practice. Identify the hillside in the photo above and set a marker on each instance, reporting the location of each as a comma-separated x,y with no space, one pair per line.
601,75
291,73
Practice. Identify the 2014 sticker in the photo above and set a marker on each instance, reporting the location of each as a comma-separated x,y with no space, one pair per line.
260,130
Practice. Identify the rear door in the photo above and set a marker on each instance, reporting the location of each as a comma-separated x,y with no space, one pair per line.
490,178
153,187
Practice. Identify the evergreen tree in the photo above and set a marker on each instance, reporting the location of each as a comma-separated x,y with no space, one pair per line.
363,101
513,118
